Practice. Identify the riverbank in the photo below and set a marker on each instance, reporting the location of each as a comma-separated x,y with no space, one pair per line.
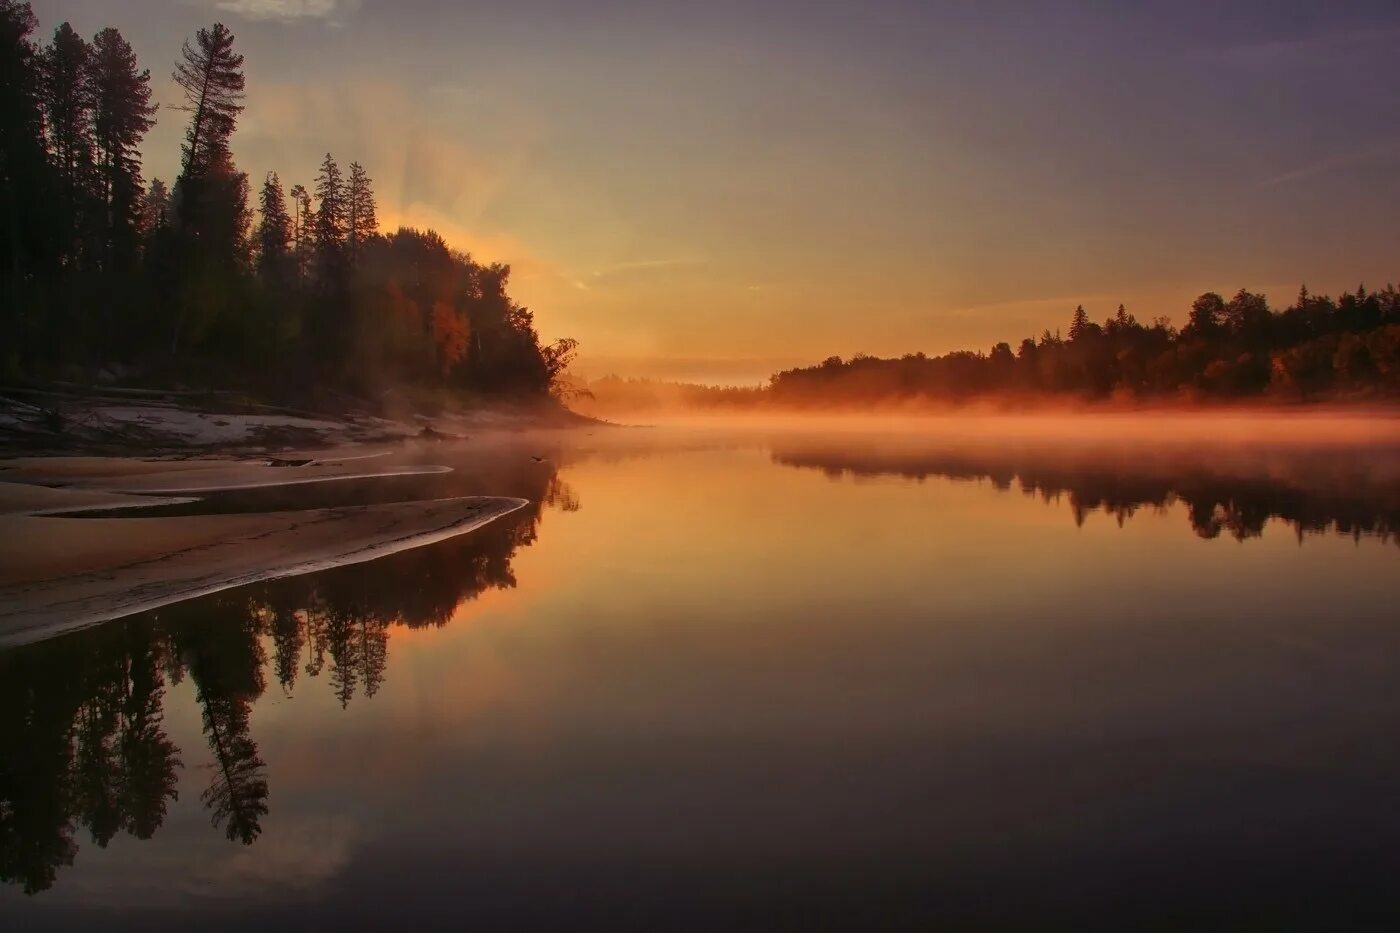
62,568
63,573
63,419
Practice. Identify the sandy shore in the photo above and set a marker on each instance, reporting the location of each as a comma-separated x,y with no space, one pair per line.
58,574
132,475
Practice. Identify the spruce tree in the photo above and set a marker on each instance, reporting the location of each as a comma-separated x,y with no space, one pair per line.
123,113
1079,323
362,222
211,74
68,112
274,234
329,227
25,210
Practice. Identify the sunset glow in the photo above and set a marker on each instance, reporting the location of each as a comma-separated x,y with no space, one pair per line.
717,191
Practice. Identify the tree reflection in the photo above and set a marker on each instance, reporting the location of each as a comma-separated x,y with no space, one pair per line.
1312,492
82,744
82,737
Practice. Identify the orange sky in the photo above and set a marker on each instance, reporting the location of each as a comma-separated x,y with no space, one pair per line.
712,191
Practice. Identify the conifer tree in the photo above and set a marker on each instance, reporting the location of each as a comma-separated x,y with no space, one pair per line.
301,231
68,112
362,223
211,195
274,234
329,226
211,74
1079,323
24,170
123,113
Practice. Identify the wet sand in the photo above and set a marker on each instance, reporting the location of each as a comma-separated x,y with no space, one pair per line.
58,574
61,573
132,475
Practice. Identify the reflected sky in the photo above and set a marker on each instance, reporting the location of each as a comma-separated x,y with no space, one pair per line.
748,682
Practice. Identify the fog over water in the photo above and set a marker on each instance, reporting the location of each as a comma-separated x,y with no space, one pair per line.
747,674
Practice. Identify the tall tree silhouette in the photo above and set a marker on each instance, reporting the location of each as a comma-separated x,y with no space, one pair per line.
211,75
1079,323
330,227
361,221
122,115
25,214
68,115
301,230
274,235
211,195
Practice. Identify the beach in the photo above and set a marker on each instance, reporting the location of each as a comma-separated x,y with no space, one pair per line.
60,571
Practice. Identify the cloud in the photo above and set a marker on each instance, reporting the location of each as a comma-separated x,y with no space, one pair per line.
645,265
286,9
1329,164
1320,47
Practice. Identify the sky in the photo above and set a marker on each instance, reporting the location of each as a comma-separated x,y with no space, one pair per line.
714,190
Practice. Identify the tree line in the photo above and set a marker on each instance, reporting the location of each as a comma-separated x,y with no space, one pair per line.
1232,348
204,280
1317,348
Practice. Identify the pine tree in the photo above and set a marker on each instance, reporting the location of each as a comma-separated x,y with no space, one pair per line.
123,114
274,234
1079,324
329,228
301,230
68,112
362,224
211,195
24,170
211,75
155,208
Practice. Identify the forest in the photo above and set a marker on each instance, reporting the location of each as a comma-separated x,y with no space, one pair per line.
1230,350
1318,348
286,290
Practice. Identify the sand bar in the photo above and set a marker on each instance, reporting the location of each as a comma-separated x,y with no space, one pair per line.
58,574
130,475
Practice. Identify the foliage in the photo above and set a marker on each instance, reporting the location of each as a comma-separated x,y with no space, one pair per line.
97,268
1238,348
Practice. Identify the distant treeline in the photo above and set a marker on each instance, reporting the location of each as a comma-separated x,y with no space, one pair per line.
617,395
1237,349
99,270
1229,349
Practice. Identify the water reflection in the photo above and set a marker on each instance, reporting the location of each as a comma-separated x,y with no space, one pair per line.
1310,491
729,685
83,745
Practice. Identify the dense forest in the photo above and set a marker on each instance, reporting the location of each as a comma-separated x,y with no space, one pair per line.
1317,348
206,280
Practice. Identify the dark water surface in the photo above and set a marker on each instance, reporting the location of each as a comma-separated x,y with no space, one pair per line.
708,683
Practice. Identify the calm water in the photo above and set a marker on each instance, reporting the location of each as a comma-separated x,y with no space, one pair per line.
721,683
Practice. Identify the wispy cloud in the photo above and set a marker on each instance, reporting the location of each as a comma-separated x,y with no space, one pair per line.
1331,164
1318,47
645,265
623,269
287,9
